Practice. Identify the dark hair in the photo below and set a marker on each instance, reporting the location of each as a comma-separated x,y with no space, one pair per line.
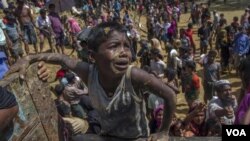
7,98
59,88
42,11
212,52
182,30
64,19
70,77
52,5
101,33
146,68
214,125
170,73
7,11
191,65
190,25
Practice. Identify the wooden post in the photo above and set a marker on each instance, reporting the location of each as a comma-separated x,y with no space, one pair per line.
37,118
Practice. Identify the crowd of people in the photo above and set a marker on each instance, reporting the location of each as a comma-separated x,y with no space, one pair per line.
114,99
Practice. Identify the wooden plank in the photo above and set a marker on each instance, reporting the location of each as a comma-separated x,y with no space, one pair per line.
45,106
37,117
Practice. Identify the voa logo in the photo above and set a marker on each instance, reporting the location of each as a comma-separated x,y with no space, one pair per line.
236,132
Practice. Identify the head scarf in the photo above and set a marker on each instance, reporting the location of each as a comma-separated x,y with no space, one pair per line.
156,44
156,111
220,83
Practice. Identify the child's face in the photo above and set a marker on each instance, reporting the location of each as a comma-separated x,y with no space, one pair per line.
211,57
199,118
177,129
159,116
114,55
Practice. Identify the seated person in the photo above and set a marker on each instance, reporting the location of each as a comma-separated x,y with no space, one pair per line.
63,107
72,94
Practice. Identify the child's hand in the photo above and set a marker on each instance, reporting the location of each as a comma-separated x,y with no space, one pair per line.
43,72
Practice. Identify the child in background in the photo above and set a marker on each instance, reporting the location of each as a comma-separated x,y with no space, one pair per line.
57,27
213,127
73,93
157,119
63,107
156,63
73,27
172,80
45,29
189,34
13,34
211,74
190,83
144,53
177,128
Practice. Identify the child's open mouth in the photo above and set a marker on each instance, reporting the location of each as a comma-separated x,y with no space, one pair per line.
121,65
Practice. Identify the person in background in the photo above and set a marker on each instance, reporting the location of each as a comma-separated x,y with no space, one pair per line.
204,34
3,65
190,83
195,122
211,74
157,119
72,94
4,42
144,53
171,80
73,28
13,34
156,63
63,107
224,106
189,34
243,110
25,18
57,27
45,29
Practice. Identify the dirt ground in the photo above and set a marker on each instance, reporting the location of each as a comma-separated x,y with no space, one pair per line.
229,10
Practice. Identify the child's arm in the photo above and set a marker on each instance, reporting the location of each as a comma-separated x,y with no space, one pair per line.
80,68
173,87
141,78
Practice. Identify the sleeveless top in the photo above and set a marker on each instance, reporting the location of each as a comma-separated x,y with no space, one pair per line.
122,115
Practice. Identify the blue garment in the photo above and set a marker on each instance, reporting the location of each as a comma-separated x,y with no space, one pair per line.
85,8
3,65
117,6
29,33
241,44
11,30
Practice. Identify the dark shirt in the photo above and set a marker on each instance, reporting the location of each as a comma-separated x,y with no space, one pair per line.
204,33
7,99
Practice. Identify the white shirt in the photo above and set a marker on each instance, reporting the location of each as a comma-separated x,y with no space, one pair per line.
158,66
216,104
43,22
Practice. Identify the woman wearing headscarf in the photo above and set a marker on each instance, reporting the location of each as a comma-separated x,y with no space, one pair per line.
155,43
